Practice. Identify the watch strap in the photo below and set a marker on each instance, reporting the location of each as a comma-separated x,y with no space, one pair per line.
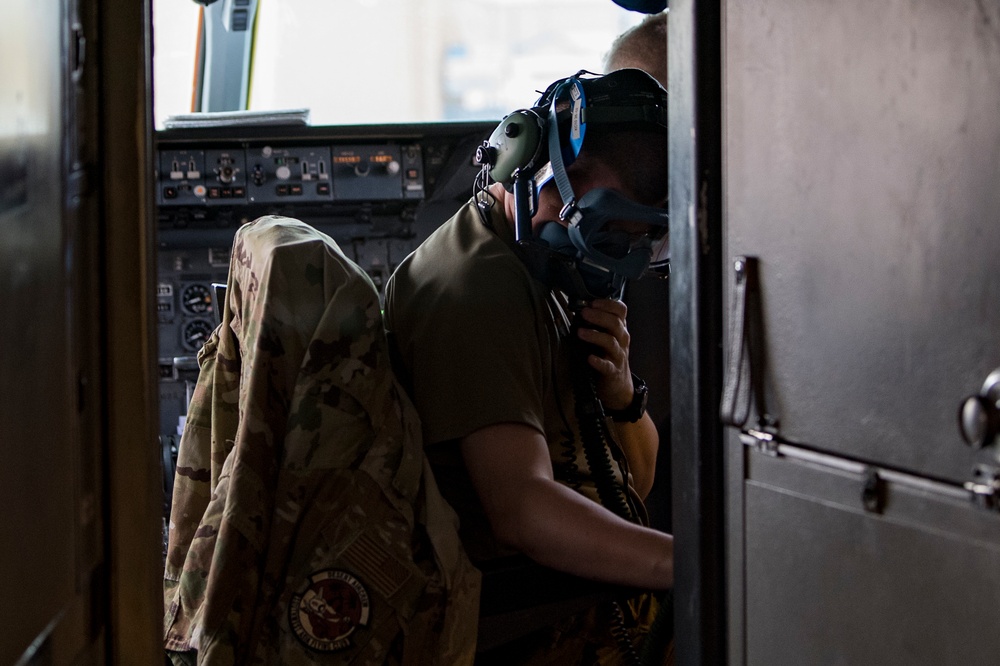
635,409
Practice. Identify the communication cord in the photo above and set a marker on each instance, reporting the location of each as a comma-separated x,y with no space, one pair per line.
594,433
613,496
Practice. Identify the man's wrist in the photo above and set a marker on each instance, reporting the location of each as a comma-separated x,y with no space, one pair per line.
636,407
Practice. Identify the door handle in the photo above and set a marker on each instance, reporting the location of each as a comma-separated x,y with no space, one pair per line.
979,415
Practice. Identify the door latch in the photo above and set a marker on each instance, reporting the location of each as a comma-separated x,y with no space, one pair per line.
760,441
984,489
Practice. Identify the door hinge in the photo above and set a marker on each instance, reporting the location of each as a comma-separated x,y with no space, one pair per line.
77,52
872,490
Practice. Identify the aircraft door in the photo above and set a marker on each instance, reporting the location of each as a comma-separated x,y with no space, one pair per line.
51,523
861,232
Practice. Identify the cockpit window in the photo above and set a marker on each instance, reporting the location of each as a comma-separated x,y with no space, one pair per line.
395,61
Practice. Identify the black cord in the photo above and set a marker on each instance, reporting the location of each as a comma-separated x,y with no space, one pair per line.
620,634
594,432
615,497
481,194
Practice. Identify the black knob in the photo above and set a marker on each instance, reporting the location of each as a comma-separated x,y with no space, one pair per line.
486,154
975,423
979,415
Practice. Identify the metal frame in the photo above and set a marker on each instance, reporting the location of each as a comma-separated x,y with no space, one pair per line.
695,83
227,48
133,479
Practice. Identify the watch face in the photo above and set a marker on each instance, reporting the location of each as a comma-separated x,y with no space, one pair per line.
641,397
643,393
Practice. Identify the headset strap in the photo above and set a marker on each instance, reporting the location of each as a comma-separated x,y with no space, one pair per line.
556,158
653,114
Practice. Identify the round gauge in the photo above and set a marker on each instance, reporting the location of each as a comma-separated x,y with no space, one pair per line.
196,299
195,332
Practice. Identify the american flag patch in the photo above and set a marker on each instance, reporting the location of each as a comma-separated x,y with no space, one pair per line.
373,562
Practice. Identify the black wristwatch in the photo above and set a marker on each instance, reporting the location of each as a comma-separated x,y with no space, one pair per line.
636,408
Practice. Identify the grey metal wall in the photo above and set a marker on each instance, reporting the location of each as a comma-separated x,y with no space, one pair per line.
862,168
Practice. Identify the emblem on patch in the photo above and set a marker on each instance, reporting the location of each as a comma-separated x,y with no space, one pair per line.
327,610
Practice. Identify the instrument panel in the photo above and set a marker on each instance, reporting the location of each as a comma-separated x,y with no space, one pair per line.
378,191
290,174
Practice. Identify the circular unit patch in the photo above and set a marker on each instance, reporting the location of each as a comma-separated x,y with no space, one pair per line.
327,610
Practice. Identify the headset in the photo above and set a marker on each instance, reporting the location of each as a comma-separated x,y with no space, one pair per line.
531,147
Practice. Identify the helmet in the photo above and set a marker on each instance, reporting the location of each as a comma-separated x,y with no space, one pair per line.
532,147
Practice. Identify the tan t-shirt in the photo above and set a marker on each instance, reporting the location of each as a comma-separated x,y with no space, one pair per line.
482,343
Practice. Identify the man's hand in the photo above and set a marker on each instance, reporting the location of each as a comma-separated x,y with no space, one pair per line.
605,328
640,441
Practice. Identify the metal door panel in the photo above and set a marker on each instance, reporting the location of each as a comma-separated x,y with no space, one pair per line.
830,583
38,391
863,169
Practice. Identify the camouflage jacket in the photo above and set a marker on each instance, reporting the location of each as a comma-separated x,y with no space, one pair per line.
306,526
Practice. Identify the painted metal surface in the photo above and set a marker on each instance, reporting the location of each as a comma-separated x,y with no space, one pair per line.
695,329
863,157
862,148
831,583
38,387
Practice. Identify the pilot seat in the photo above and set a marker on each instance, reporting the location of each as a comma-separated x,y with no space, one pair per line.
305,525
